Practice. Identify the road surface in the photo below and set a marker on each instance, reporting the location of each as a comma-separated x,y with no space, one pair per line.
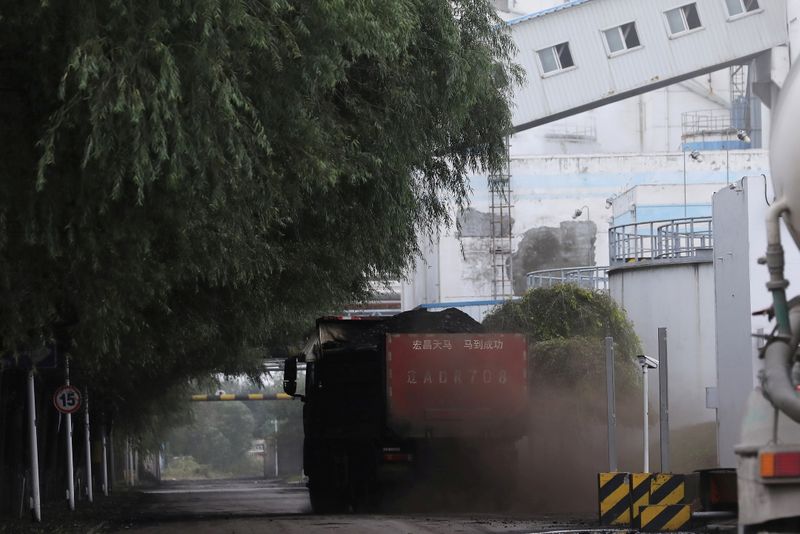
250,506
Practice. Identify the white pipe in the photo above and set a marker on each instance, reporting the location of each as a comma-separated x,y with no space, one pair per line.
646,421
777,383
276,448
105,461
88,435
127,470
34,444
70,467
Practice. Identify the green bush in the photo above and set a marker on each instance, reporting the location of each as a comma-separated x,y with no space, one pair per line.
566,326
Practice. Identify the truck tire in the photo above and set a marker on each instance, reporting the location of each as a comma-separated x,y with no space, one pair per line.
325,499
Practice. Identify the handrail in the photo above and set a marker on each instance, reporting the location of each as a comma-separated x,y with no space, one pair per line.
588,277
660,240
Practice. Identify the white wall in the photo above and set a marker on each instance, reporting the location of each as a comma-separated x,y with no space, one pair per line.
679,297
740,239
548,189
644,124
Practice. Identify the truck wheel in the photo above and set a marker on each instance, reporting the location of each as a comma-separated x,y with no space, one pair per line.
325,499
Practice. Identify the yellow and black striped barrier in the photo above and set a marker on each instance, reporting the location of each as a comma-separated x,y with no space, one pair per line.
614,497
623,497
640,493
665,517
242,397
667,489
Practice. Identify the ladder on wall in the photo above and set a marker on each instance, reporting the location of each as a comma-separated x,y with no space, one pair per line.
501,230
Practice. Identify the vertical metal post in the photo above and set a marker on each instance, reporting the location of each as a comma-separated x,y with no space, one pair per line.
275,444
105,461
264,457
158,463
127,471
112,458
646,425
663,394
611,408
88,435
684,181
36,503
70,468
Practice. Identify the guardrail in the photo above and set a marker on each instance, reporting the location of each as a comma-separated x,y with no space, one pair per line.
589,277
717,121
660,240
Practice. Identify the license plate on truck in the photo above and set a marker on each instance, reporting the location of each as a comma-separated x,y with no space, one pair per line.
456,385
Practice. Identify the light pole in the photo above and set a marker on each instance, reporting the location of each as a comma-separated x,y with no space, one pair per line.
698,157
646,362
579,212
743,137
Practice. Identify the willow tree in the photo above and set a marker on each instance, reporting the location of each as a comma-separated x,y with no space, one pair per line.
182,181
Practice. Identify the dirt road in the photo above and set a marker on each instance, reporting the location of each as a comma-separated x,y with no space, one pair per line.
251,506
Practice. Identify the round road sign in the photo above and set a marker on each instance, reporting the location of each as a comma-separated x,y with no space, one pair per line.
67,399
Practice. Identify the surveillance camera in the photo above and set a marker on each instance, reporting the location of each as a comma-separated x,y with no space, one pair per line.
697,156
742,135
644,360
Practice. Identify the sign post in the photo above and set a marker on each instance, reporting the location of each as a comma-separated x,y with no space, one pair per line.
67,400
89,492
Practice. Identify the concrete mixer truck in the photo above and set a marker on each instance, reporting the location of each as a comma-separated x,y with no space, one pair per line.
768,469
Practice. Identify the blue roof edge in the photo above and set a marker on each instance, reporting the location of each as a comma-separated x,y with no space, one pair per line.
547,11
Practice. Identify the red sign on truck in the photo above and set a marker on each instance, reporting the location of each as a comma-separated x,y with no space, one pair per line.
456,384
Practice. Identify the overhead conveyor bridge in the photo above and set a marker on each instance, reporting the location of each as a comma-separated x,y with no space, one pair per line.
584,54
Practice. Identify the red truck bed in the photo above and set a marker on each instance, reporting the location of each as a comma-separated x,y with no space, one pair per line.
456,385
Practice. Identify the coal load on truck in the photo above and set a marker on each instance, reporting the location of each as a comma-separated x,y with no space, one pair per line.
419,400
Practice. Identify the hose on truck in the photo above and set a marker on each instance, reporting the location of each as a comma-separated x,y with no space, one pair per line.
778,362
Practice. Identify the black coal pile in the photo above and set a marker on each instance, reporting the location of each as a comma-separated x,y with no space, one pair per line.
450,320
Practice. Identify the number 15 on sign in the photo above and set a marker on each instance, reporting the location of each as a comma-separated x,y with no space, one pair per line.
67,399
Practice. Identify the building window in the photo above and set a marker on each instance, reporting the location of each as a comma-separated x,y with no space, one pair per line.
683,19
555,58
622,38
737,7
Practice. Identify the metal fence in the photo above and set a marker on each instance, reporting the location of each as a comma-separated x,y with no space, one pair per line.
659,240
590,277
716,121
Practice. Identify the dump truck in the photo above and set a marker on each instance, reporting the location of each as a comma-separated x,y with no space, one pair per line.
418,399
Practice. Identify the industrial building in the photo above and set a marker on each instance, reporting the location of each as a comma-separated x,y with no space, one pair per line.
632,113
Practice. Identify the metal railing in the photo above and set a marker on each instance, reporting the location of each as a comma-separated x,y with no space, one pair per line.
708,121
660,240
590,277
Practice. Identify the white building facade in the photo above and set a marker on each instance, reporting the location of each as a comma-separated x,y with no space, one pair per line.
658,155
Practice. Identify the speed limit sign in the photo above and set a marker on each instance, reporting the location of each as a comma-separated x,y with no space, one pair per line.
67,399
